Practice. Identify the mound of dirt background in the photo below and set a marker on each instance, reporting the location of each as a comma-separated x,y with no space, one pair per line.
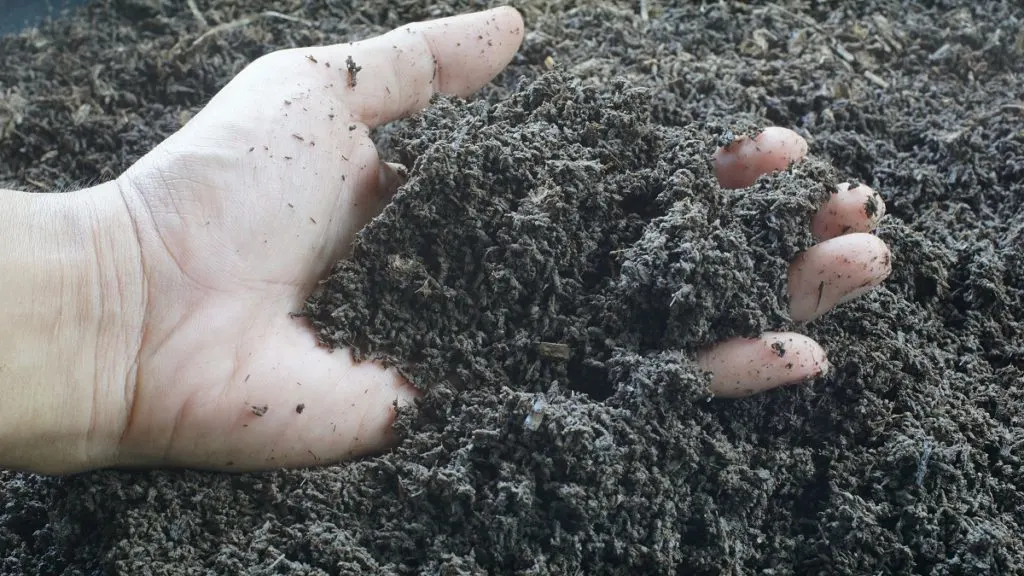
582,269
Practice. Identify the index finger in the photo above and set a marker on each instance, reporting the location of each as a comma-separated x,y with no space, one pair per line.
392,76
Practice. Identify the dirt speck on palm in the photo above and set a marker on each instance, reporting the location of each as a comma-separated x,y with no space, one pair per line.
559,252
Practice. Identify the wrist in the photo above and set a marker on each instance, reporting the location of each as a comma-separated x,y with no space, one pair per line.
70,363
118,304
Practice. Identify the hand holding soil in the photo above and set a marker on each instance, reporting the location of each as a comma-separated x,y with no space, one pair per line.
241,213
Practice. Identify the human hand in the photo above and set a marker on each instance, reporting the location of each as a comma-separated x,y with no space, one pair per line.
241,213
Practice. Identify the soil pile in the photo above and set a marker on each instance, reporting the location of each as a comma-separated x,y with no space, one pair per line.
558,253
543,236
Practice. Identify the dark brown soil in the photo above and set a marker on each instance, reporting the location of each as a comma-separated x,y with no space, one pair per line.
557,255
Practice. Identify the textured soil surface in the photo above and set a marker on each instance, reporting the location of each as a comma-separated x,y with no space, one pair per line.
560,251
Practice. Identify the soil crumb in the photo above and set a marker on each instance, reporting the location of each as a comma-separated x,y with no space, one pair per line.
557,255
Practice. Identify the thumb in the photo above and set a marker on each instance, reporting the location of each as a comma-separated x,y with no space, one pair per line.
394,75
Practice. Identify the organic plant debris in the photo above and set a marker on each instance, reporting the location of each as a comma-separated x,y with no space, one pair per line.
559,252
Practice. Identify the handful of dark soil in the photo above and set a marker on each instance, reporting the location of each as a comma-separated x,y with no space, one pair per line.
546,274
541,241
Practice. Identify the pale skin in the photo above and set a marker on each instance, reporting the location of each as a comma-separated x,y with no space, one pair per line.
149,319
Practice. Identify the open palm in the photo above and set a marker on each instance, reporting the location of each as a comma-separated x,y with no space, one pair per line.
243,211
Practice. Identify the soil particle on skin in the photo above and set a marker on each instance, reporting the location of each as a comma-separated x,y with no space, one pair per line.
353,71
871,207
558,253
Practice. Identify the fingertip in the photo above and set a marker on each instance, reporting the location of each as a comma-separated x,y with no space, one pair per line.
514,20
836,271
876,264
479,47
456,56
406,393
742,367
851,209
740,163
